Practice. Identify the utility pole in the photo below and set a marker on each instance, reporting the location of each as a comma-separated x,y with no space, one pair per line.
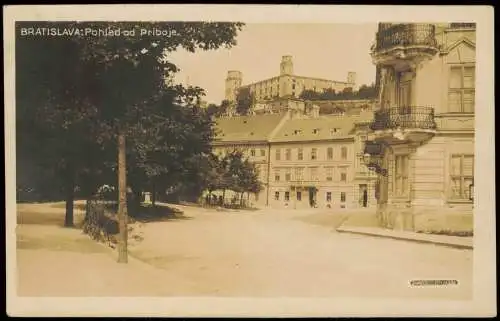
122,200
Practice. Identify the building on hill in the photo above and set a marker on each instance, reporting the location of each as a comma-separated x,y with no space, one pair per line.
284,85
421,141
303,159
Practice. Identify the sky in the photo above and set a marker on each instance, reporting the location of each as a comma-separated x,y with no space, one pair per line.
319,50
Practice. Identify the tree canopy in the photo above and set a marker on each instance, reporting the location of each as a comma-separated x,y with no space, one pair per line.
74,94
233,171
244,101
364,92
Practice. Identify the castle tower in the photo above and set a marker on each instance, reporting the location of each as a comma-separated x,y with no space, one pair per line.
351,78
286,66
233,83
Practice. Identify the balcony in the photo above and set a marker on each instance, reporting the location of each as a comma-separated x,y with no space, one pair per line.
373,157
409,123
457,25
374,148
403,45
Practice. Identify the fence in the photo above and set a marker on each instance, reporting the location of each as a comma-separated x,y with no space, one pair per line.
100,221
212,201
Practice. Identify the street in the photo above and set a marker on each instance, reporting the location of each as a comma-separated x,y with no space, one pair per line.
265,253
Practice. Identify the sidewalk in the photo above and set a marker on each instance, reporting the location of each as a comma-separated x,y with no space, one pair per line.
55,261
443,240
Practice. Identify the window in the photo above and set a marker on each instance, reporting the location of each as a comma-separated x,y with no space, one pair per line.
287,196
262,152
299,196
329,153
342,197
315,130
328,197
278,154
461,176
461,89
314,173
277,196
314,152
343,177
300,154
277,176
343,152
288,154
329,174
299,173
252,152
288,175
401,175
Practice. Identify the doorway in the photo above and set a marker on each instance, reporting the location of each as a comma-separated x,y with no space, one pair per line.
312,196
404,94
363,195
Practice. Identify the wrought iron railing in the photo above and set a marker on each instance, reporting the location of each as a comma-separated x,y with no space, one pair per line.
373,157
462,25
373,148
413,34
404,117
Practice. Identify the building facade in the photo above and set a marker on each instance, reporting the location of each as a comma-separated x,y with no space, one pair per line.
285,85
250,135
304,159
421,141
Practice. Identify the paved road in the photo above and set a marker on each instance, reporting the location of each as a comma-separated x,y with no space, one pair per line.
275,253
254,254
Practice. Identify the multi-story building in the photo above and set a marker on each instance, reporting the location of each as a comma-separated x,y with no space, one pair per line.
421,141
304,159
249,134
314,163
285,85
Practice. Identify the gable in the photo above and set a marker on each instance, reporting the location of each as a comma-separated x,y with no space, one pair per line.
462,51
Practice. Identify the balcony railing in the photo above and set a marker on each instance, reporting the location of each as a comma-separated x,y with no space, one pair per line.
402,35
373,148
373,157
409,117
461,25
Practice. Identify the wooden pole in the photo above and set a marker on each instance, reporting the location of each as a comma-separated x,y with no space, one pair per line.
122,201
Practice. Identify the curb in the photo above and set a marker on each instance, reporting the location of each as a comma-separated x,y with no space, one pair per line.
408,239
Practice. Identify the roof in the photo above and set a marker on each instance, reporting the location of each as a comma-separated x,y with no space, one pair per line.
247,128
311,129
297,77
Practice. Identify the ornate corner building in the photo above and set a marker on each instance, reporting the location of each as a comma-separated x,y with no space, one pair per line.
421,140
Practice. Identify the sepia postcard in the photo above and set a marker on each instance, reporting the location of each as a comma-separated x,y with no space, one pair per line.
249,160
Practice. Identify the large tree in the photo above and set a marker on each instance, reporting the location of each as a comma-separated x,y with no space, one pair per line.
76,95
244,101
